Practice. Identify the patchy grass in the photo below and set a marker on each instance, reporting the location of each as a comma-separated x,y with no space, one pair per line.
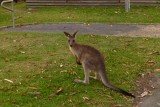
41,66
84,14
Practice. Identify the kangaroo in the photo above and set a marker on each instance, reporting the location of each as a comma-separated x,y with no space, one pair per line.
91,60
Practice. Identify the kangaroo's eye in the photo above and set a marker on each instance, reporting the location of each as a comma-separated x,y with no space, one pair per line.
73,40
68,40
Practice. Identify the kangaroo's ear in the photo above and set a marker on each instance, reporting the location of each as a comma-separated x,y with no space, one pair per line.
67,34
74,34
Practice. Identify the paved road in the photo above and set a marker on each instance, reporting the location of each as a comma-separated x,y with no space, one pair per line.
152,100
93,28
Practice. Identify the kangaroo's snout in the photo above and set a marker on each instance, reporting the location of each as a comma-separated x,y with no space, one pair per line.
70,45
71,42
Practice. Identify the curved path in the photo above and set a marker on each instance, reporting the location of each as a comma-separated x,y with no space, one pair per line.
93,28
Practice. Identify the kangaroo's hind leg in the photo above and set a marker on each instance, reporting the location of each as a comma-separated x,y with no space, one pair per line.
86,79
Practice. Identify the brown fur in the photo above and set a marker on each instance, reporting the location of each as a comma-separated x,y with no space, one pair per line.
91,60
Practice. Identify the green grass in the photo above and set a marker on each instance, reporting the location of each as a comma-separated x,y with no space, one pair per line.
42,62
84,14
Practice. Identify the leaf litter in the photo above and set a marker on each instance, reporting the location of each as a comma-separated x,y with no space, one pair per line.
56,93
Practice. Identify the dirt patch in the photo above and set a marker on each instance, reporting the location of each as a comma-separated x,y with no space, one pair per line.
147,88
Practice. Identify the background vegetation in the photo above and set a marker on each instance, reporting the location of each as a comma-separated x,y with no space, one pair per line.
84,14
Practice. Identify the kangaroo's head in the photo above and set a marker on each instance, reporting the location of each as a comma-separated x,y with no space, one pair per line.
71,38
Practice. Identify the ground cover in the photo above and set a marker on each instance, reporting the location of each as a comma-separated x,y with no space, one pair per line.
84,14
37,69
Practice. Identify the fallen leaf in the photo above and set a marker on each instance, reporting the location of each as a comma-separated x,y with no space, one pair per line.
142,75
55,62
73,93
61,66
22,52
116,12
70,101
85,98
118,105
73,72
56,93
33,88
34,93
157,70
144,94
156,53
92,35
152,87
63,71
87,24
8,80
151,63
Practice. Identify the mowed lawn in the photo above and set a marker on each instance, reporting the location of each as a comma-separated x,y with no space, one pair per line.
84,14
38,70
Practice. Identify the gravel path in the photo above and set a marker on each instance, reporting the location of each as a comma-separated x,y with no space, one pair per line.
93,28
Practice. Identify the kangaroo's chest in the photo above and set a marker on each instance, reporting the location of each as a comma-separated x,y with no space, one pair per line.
74,52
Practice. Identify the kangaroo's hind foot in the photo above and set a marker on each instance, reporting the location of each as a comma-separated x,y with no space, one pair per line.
96,77
81,81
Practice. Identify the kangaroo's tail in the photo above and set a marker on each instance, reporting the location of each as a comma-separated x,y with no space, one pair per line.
107,84
119,90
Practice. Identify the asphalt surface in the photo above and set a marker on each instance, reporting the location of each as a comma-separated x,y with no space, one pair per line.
152,98
101,29
151,101
93,28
